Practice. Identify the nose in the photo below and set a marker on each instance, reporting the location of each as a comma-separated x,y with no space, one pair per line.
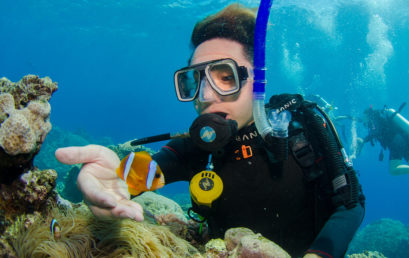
206,92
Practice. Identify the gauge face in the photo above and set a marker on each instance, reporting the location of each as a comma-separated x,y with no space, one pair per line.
206,184
207,134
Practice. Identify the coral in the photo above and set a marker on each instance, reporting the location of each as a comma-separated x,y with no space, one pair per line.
32,192
216,248
242,242
158,204
182,198
367,254
387,236
24,123
125,148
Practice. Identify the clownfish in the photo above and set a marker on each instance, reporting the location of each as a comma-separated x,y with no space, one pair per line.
140,172
55,229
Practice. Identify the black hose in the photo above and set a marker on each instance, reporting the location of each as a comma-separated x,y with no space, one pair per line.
345,183
329,145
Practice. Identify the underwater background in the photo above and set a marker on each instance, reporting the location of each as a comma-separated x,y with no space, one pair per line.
114,63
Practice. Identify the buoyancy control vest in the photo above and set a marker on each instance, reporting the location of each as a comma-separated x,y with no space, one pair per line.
314,144
313,137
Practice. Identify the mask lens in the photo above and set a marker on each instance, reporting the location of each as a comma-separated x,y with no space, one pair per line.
188,83
224,77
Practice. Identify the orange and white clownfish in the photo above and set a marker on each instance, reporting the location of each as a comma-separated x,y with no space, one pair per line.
140,172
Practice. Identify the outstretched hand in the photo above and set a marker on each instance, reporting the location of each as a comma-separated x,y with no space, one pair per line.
103,191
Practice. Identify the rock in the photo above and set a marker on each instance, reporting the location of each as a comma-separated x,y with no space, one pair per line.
216,248
248,244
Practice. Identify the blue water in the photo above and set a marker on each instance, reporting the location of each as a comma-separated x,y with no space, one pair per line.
114,62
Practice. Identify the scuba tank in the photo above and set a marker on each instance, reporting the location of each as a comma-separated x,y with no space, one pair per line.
397,119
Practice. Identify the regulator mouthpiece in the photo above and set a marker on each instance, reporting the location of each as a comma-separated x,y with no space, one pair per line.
211,132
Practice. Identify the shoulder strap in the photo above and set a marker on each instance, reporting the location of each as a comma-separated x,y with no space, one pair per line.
323,137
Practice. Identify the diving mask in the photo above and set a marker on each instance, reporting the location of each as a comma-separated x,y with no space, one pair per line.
223,75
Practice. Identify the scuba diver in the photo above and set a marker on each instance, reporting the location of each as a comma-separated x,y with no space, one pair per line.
391,130
295,190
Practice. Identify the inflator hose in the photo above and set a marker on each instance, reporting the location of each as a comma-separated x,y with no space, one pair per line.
344,180
329,144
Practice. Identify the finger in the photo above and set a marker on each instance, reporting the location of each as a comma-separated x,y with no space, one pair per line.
94,192
128,209
76,155
101,212
122,210
274,115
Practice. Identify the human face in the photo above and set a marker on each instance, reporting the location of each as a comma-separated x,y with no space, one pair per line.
237,107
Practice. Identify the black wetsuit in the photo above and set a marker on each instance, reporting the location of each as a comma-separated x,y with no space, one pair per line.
389,136
271,198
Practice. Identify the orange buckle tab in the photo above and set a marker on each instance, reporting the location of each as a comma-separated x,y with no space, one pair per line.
247,151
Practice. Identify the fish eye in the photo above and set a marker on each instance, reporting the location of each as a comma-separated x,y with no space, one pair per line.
157,175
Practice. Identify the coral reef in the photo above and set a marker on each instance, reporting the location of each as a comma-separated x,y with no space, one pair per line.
83,235
387,236
125,148
22,201
367,254
182,198
24,123
32,192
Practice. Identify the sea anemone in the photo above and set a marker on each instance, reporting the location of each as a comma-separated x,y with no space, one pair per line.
84,235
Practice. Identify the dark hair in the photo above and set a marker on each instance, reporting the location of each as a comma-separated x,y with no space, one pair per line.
235,22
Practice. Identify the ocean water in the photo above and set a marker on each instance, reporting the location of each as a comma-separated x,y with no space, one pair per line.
114,63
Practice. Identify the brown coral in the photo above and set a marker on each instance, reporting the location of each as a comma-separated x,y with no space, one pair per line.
31,193
24,123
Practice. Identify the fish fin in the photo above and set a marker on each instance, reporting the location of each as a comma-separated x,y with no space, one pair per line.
133,191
